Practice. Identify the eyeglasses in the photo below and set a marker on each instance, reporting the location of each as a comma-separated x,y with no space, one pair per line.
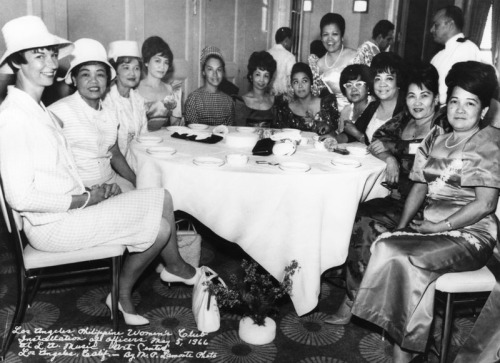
357,84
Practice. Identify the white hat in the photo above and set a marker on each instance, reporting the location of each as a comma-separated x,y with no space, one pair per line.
87,50
123,48
29,32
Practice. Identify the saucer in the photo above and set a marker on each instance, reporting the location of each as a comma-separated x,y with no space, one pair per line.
346,163
294,166
198,126
179,129
208,161
149,139
246,129
161,150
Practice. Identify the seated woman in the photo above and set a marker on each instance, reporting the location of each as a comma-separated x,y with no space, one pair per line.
327,69
208,105
41,182
305,111
389,87
122,98
356,84
396,142
256,107
457,178
90,128
163,103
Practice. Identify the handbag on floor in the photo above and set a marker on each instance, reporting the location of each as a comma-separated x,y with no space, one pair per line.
205,309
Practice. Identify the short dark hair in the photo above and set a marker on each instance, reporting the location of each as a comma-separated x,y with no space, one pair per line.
301,67
282,34
155,45
454,13
122,60
424,75
383,27
20,57
477,78
390,62
76,69
317,48
261,60
333,18
215,56
353,72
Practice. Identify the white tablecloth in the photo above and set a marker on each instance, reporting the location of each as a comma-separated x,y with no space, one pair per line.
274,215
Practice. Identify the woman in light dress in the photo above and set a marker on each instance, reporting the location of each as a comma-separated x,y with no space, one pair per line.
327,69
122,97
163,102
255,108
41,182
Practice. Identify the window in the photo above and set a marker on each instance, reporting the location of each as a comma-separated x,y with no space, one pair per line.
485,45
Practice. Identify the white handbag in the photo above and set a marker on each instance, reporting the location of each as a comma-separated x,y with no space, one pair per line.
205,309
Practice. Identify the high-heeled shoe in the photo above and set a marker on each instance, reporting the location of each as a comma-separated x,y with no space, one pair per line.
170,277
130,319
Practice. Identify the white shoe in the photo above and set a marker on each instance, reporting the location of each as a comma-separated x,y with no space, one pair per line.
169,277
130,319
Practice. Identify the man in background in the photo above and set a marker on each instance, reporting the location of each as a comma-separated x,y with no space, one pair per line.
284,59
382,38
447,25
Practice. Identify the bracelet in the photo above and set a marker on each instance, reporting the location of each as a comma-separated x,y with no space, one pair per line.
447,222
87,201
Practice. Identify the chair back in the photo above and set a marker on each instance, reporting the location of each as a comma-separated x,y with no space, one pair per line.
14,225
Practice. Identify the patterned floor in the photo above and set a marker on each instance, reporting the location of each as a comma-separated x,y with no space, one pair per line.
72,324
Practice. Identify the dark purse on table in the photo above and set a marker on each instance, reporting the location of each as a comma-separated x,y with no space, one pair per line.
263,147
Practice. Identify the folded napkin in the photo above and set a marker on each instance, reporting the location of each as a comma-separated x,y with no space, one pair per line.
212,139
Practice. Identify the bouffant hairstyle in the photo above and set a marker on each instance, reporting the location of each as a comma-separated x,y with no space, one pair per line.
263,61
76,69
390,62
333,18
477,78
353,72
155,45
383,27
424,75
282,34
20,57
301,67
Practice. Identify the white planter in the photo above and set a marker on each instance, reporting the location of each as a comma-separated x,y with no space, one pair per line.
257,334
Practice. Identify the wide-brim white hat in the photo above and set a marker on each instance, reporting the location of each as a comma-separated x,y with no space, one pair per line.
87,50
123,48
29,32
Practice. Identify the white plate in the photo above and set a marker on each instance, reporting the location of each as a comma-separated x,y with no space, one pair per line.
346,163
294,166
208,161
198,126
179,129
149,139
161,150
246,129
357,151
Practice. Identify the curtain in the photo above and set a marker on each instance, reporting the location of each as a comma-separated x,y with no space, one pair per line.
479,13
495,34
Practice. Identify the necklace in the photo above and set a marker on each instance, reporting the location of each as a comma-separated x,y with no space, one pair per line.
461,141
336,60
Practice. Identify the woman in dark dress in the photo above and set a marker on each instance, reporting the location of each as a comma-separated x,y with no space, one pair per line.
456,176
305,111
256,107
395,142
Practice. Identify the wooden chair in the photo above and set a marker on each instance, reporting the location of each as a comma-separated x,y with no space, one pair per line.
34,265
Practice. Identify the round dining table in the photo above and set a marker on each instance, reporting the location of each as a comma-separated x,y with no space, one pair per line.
275,213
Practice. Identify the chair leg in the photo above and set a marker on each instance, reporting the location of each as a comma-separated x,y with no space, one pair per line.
36,287
116,262
18,315
447,324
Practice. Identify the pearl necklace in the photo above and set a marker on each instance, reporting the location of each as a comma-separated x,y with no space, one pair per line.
336,60
461,141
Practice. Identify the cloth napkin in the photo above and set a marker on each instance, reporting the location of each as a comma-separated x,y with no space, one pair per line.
212,139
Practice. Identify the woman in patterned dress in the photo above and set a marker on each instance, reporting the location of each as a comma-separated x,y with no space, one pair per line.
163,101
305,111
41,182
122,97
457,178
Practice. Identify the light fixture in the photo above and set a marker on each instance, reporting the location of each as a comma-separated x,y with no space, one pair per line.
360,6
308,6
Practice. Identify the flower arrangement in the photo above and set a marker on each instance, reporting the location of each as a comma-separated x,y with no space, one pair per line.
256,293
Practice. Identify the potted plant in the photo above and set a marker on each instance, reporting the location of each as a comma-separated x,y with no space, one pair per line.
256,293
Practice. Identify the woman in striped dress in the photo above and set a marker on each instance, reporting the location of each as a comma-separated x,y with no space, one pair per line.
41,181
